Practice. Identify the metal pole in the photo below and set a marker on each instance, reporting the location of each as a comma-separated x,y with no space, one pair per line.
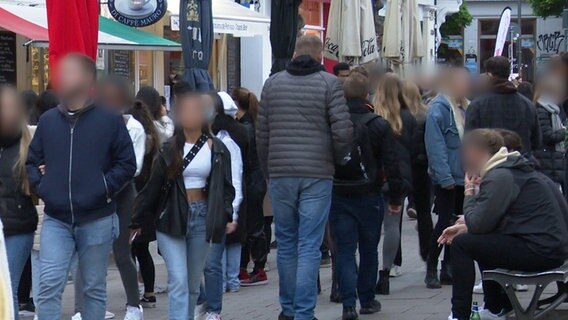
565,26
520,40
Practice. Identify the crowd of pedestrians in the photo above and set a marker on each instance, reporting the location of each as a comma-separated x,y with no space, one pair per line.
93,168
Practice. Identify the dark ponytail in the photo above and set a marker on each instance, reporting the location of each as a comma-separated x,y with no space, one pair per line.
247,101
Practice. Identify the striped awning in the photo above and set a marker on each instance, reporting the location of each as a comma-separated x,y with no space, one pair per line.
31,22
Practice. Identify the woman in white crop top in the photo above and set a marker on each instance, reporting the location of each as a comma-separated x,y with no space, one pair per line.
191,202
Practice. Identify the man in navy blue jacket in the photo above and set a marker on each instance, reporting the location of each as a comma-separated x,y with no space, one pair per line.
80,157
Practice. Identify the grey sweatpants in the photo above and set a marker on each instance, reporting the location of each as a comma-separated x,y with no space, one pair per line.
391,241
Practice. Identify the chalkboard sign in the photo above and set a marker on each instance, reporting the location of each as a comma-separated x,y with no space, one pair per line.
8,72
121,64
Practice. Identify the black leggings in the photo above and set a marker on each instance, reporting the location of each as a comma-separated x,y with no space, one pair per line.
447,205
422,195
490,251
141,252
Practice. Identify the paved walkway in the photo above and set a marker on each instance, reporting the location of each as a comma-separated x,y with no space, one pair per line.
409,299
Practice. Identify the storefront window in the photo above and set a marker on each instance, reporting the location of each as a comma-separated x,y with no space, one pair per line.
312,13
40,69
145,65
488,29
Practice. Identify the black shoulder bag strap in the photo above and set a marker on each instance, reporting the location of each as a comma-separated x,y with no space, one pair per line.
166,188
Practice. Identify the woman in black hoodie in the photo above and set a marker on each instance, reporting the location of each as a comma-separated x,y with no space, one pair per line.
256,245
390,103
17,211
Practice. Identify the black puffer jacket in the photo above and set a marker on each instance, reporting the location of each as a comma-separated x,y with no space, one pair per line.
173,219
17,211
551,162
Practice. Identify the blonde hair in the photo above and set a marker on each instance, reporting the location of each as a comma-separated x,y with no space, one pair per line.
414,99
19,168
389,99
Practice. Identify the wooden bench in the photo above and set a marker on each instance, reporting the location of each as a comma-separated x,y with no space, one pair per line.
509,278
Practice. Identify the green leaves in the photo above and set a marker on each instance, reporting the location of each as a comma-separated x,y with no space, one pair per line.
457,21
547,8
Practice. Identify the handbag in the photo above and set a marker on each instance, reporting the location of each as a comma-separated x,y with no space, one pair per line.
167,186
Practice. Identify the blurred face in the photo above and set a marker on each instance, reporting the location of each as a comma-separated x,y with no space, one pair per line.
190,112
460,83
209,108
474,158
112,97
10,111
74,81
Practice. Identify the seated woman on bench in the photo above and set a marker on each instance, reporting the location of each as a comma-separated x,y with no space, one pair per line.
513,221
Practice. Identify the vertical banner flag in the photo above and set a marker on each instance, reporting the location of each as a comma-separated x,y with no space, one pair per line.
503,31
73,26
196,28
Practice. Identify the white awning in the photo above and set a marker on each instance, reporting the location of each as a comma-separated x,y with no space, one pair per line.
229,17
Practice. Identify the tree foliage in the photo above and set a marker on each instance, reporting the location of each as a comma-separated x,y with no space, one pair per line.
547,8
457,21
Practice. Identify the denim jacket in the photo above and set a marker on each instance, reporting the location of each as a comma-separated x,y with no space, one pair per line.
443,144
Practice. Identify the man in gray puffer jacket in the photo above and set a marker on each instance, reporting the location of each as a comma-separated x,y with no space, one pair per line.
303,130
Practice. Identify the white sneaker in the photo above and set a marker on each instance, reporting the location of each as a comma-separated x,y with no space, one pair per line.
478,289
77,316
134,313
485,314
395,272
212,316
451,317
521,287
108,315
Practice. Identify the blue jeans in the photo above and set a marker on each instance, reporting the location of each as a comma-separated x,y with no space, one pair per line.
356,222
185,259
18,249
232,266
92,242
36,269
301,208
213,274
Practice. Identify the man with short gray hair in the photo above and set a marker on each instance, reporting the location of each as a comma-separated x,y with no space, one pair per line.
303,130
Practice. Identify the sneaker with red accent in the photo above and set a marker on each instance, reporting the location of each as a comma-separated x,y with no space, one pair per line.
256,279
243,275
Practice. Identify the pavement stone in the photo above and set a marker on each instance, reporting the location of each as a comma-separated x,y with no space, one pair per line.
409,299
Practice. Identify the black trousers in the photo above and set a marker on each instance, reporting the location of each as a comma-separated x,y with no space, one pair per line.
422,196
141,252
447,205
255,246
490,251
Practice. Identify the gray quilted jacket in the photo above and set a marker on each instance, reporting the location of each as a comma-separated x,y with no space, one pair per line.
304,126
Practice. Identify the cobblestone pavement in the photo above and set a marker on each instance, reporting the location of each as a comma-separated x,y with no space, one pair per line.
409,299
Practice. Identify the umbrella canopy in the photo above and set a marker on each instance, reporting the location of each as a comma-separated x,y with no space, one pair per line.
417,48
283,32
392,32
351,35
196,28
73,27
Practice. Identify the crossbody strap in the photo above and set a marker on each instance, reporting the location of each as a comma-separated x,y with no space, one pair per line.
194,151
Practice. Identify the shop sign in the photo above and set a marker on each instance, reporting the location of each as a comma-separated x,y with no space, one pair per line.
137,13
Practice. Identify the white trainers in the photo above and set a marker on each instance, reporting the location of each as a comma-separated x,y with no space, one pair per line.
212,316
478,289
395,272
485,314
134,313
108,315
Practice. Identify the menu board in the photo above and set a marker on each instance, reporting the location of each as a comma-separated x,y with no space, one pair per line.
121,64
8,72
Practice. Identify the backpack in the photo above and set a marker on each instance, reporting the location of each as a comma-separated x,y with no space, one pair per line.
359,174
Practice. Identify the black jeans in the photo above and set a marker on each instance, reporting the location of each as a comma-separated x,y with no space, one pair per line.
447,205
422,195
255,246
356,222
141,252
490,251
